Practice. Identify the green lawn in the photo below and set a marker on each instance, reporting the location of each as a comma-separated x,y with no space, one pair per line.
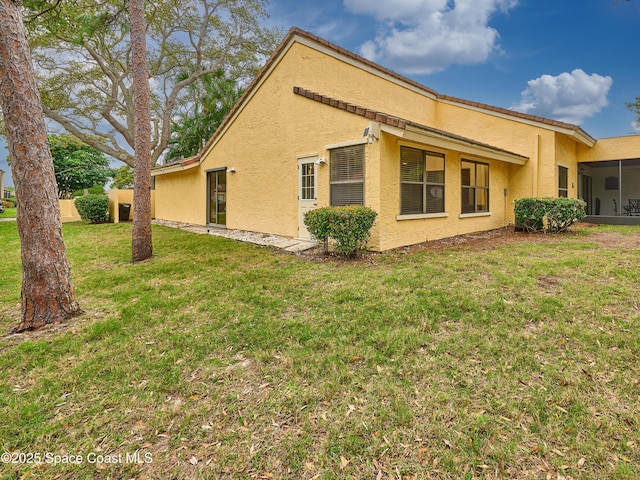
8,213
220,359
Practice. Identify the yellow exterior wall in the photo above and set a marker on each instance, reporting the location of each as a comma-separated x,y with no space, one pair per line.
276,127
68,211
125,196
538,177
314,70
395,233
566,156
182,196
617,148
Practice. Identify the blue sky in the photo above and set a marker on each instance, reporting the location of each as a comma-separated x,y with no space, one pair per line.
575,61
571,60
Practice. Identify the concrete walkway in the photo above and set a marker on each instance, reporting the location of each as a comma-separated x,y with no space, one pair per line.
267,239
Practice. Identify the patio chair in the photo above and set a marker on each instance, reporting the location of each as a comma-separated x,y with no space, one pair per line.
633,209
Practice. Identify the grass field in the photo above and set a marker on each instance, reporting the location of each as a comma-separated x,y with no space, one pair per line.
225,360
8,213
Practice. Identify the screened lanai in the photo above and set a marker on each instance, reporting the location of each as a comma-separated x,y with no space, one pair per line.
611,190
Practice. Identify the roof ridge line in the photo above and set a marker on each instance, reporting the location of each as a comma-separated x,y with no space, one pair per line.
440,96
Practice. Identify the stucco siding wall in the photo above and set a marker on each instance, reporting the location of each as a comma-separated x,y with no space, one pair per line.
395,233
263,145
617,148
68,211
566,156
538,177
181,196
277,127
315,71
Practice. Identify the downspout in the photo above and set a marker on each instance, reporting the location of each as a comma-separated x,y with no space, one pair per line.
536,166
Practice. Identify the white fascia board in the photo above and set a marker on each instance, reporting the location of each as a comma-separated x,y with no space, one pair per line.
441,141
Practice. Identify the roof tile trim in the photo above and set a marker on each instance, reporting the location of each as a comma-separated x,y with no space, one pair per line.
389,119
302,33
504,111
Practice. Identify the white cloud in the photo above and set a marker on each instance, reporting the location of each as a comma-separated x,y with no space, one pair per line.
427,36
568,97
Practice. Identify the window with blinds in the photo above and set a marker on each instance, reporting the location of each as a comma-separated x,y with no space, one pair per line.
346,177
421,182
474,177
563,181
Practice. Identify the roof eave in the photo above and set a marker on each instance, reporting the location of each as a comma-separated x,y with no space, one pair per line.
179,166
568,129
436,139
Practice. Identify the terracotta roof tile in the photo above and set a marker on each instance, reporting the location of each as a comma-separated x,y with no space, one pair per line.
295,31
389,119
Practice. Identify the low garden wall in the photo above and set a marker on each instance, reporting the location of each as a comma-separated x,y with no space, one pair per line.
69,213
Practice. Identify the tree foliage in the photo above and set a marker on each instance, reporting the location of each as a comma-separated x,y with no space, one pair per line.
212,98
83,52
123,178
635,108
77,165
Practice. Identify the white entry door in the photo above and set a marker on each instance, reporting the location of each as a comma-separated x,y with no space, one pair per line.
307,192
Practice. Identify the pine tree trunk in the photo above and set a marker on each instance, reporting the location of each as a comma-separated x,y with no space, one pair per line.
47,292
141,234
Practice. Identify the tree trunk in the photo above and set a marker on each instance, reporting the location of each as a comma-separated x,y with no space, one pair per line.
47,292
141,234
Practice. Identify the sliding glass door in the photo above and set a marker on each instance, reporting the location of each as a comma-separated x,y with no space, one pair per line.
217,195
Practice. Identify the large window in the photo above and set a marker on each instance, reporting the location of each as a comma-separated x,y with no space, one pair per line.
347,175
421,182
475,187
563,182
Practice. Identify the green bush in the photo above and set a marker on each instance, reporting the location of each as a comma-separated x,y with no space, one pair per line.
8,203
349,226
548,214
94,208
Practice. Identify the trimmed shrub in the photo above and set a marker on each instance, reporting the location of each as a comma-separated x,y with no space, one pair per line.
8,203
94,208
548,214
349,226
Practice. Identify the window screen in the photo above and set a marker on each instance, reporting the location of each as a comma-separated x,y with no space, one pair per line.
474,178
347,175
563,182
421,182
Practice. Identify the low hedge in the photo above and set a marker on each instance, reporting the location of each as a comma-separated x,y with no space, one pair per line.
349,226
93,208
548,214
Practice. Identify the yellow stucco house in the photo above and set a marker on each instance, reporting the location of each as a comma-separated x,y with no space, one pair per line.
323,126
